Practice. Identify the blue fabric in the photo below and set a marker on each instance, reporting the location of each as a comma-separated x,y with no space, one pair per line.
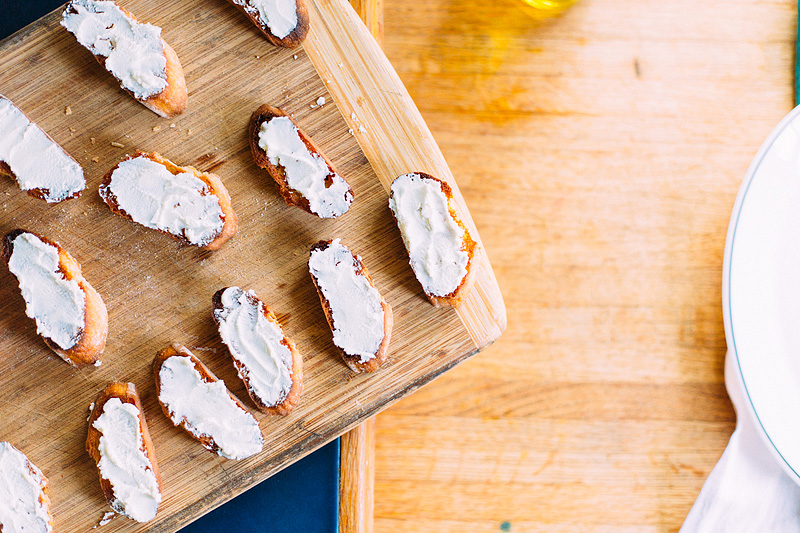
19,13
302,497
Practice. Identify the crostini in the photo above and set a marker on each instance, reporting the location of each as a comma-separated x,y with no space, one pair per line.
194,399
305,178
27,505
191,206
359,317
119,443
31,157
441,252
133,52
283,22
70,315
267,361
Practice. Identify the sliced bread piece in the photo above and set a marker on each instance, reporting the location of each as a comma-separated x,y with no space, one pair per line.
304,176
440,250
30,156
25,507
119,443
193,398
267,361
359,317
133,52
191,206
70,315
283,22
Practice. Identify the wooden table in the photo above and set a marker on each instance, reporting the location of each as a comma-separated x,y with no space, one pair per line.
600,155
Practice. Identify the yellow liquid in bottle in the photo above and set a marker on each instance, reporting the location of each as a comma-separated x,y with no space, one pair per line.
550,8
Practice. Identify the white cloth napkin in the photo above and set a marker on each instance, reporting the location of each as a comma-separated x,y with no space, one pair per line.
747,490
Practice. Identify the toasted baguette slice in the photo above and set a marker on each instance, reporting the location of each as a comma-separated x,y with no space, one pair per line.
193,398
422,207
70,315
325,193
34,160
134,53
284,31
246,325
204,218
132,488
29,509
359,317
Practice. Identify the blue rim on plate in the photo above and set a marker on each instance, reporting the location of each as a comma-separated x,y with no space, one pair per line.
730,335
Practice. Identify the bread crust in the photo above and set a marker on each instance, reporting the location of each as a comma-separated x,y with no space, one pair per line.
353,361
207,376
460,294
215,186
171,101
294,38
288,404
40,192
278,173
89,348
126,392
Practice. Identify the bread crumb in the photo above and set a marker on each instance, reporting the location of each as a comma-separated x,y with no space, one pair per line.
68,110
320,102
92,139
294,56
156,128
188,132
98,363
362,129
257,57
353,116
105,520
350,131
115,144
96,159
172,125
73,130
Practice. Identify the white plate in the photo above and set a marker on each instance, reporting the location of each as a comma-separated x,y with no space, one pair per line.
761,289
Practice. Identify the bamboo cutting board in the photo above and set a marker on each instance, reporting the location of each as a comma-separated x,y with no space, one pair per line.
158,292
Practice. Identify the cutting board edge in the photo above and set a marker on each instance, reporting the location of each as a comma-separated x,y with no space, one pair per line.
385,122
215,499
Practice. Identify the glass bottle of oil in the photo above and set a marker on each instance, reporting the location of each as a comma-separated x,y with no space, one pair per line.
549,8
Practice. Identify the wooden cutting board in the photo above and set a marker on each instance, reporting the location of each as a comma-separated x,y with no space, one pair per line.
158,292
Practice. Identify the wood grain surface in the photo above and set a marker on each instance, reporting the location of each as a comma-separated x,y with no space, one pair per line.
600,154
158,292
357,479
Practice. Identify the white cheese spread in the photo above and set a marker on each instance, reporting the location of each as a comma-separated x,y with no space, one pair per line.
280,16
154,197
37,161
57,304
207,409
22,499
134,51
435,242
358,317
124,463
265,363
306,171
